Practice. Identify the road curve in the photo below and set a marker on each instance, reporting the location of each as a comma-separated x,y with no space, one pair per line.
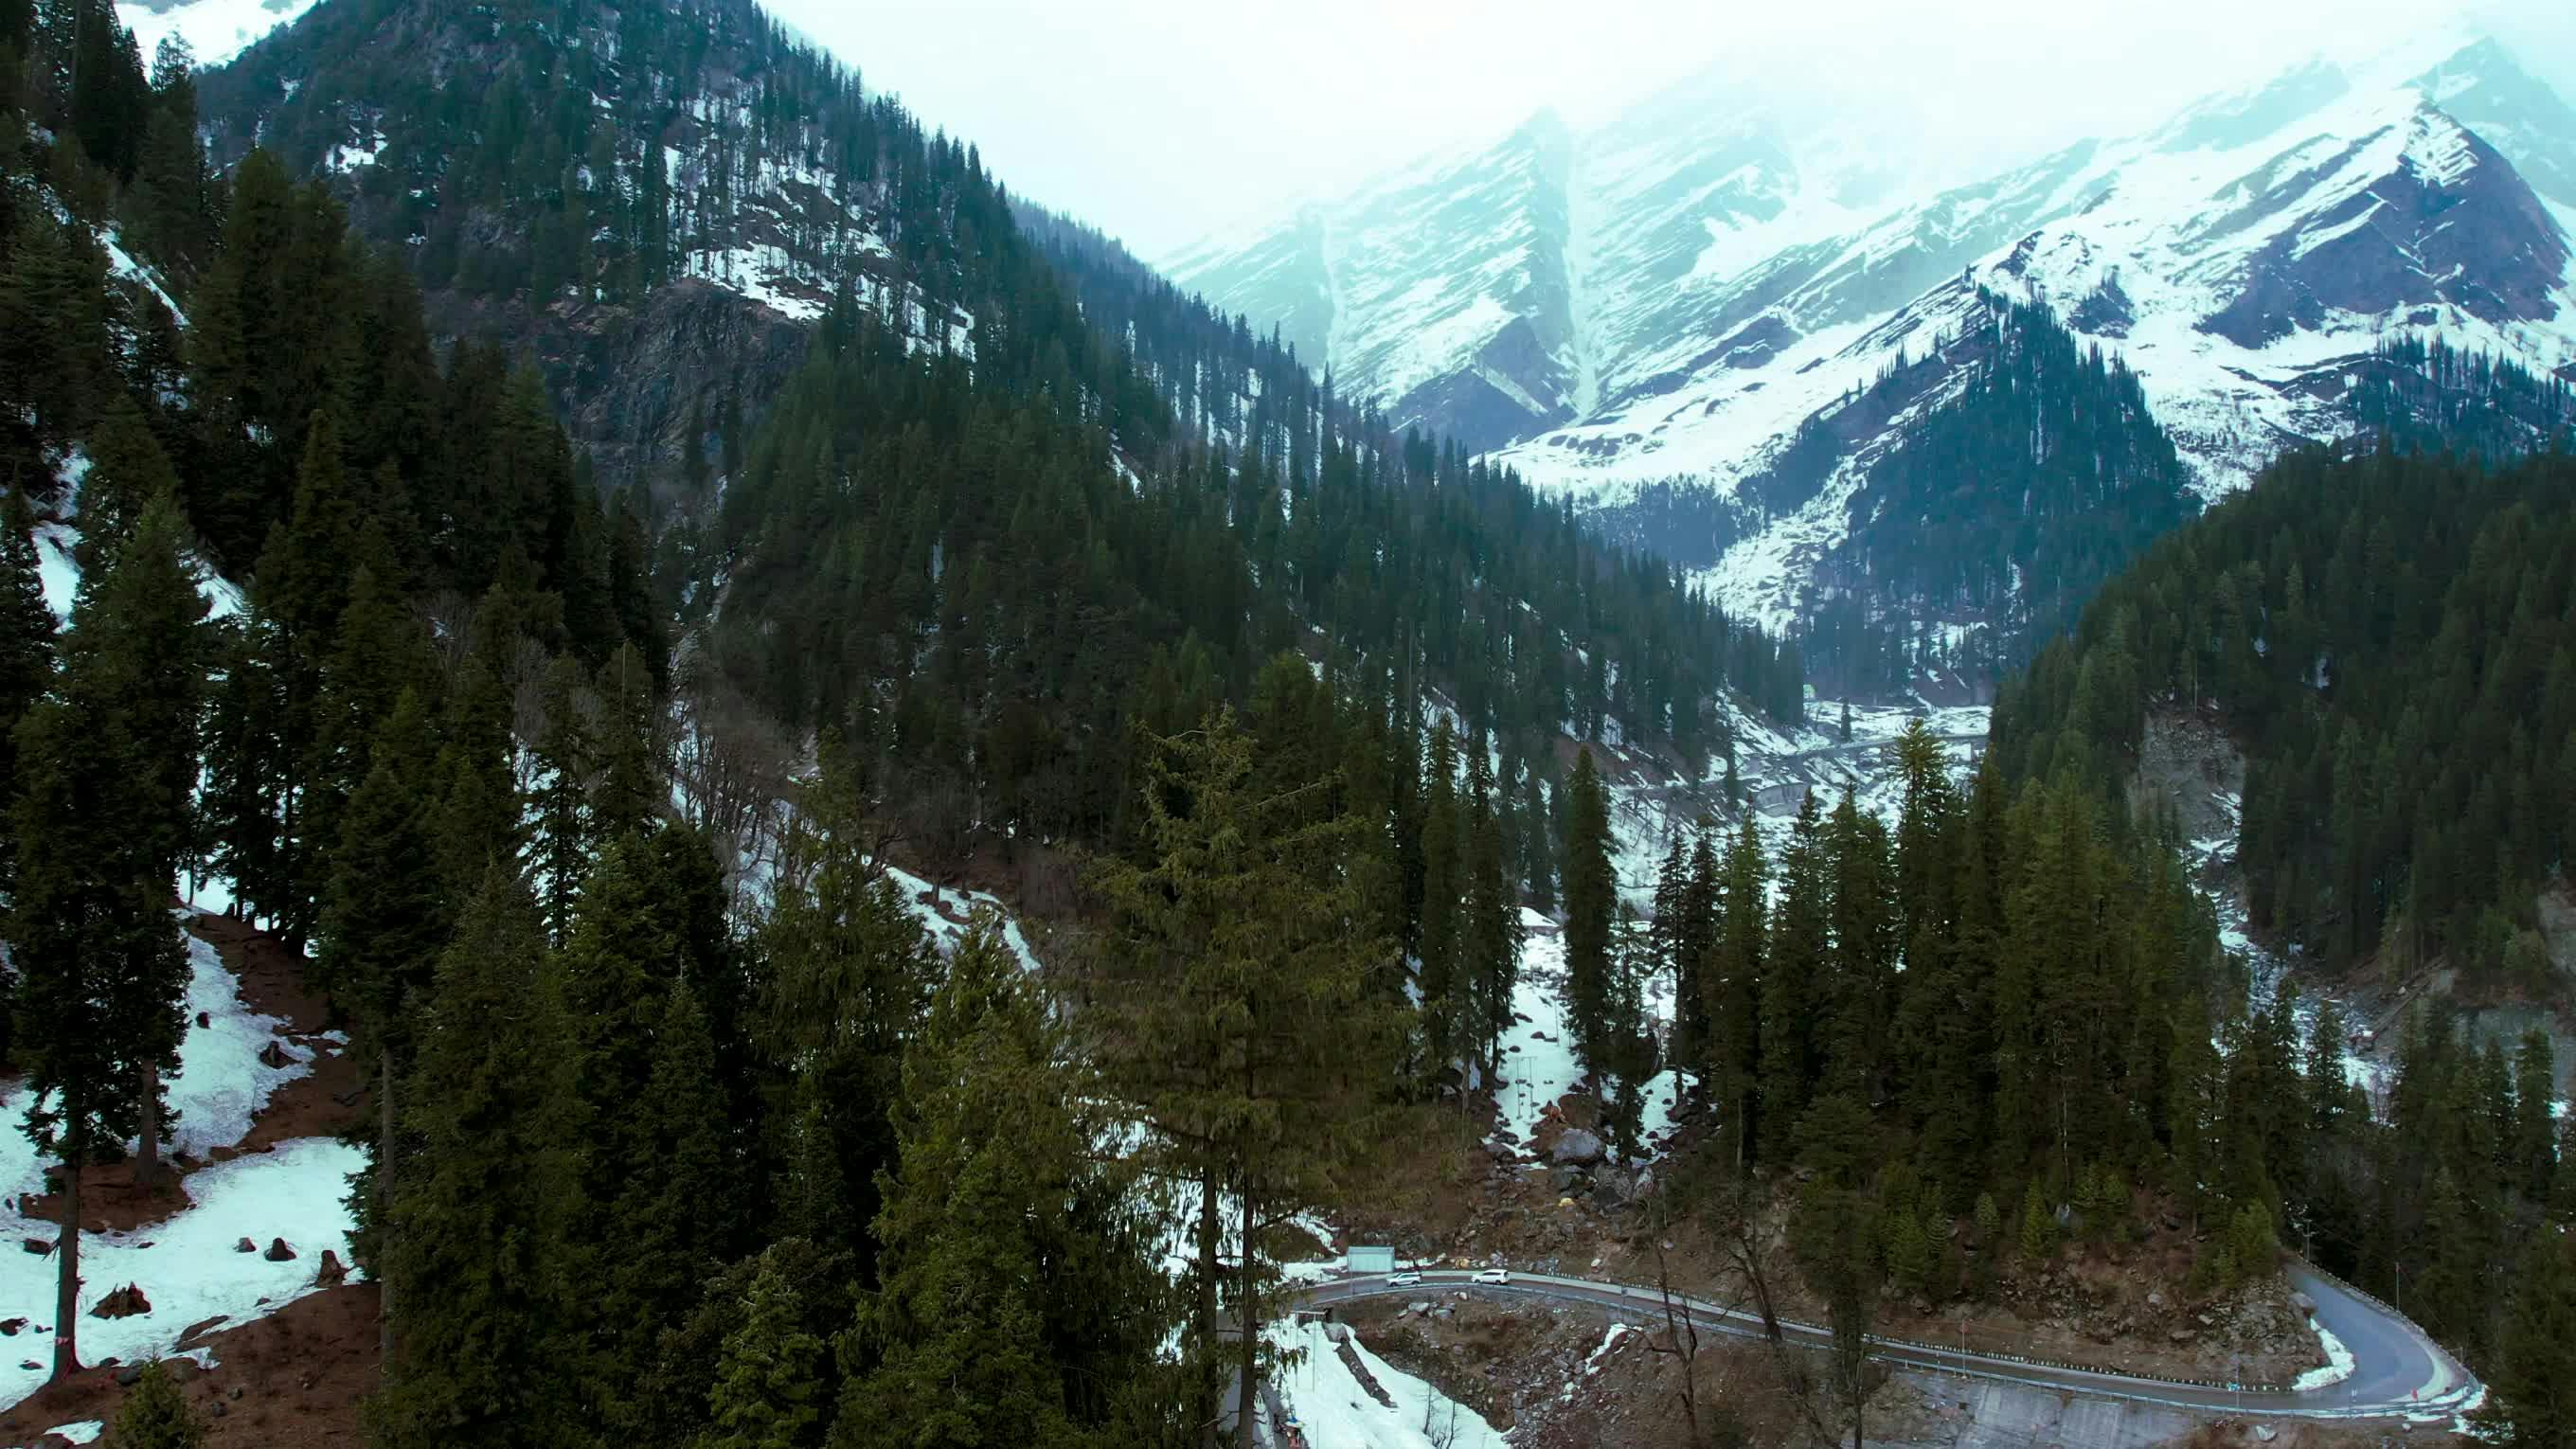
2397,1372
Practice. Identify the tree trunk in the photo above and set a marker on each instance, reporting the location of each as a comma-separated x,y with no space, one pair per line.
147,1159
1208,1390
67,1284
384,1197
1249,1320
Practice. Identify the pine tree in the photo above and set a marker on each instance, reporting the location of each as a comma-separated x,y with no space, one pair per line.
769,1377
385,918
127,470
2534,1377
2534,1137
624,799
1444,1005
155,1415
663,1233
26,649
1591,903
1493,937
2038,1229
1236,975
847,973
104,766
998,1312
560,803
472,1232
1735,975
1793,978
1538,842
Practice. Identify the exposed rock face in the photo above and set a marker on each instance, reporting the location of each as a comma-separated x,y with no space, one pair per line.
1577,1146
627,376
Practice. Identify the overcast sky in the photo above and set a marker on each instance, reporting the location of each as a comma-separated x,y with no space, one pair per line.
1163,120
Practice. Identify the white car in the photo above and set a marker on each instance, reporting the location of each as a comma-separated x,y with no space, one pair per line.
1403,1279
1494,1275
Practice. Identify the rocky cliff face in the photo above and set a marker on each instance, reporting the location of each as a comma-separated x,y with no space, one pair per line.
650,205
631,375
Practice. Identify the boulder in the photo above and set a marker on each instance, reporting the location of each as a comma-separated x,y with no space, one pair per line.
2156,1298
41,1247
245,1246
10,1327
273,1055
278,1252
126,1376
204,1020
334,1272
125,1302
1565,1179
1577,1146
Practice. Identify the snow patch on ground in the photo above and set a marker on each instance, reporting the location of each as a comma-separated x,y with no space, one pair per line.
187,1266
1333,1409
222,1083
1539,1066
1609,1345
2337,1367
85,1431
945,912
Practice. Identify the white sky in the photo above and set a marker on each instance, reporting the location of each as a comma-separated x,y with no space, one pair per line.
1163,120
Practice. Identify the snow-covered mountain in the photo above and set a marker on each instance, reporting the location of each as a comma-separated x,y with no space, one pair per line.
1672,296
214,30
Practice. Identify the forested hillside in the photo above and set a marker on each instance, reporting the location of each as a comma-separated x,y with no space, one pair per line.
2387,637
969,602
1014,559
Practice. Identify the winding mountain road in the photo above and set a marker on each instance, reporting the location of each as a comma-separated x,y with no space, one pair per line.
2397,1371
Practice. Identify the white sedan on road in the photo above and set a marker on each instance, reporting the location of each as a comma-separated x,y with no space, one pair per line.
1494,1275
1405,1278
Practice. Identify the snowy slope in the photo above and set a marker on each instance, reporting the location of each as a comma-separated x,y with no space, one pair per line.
1442,286
1724,281
1335,1410
187,1266
2235,256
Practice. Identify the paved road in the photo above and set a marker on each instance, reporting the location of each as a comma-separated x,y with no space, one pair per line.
2397,1370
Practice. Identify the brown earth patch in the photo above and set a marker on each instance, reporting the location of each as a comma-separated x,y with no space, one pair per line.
292,1380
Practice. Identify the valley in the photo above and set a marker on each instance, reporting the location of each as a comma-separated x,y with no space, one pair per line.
677,770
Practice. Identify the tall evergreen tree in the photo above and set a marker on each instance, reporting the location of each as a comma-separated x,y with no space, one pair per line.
1014,1286
472,1238
768,1378
1591,904
1445,1007
26,647
1237,979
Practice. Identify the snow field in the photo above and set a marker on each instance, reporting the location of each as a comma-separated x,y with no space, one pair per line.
1337,1412
186,1265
